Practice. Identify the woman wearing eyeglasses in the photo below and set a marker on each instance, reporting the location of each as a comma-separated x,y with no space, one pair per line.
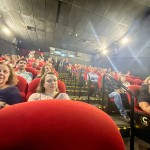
144,97
48,89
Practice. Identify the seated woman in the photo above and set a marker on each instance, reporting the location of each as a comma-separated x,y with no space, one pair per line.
115,93
45,69
9,94
144,97
48,89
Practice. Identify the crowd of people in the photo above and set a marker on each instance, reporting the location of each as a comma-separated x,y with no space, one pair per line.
12,66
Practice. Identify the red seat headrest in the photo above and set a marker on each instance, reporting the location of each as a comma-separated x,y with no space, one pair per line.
57,125
32,70
34,84
22,85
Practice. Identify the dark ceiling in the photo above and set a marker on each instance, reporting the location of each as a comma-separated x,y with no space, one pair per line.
77,25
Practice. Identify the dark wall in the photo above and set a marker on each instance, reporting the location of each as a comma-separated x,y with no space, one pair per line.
74,60
136,61
137,66
7,47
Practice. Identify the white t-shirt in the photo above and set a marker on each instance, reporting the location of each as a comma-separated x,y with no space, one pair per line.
41,96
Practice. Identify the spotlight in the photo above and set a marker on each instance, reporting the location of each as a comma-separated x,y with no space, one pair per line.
6,30
104,52
125,40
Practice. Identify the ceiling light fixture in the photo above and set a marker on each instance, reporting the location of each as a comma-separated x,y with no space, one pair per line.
104,52
125,40
6,30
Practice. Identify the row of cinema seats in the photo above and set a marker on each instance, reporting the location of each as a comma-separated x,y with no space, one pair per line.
141,118
134,81
27,89
134,88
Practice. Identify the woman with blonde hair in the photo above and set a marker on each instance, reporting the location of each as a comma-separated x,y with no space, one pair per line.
9,93
144,97
45,69
48,89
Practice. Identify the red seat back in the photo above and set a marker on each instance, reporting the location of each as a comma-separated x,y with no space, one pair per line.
138,82
34,84
130,80
100,78
32,70
135,89
22,86
58,125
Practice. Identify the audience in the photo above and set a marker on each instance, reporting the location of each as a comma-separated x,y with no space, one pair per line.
48,89
48,85
9,93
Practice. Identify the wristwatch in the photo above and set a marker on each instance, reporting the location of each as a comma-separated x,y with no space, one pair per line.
3,105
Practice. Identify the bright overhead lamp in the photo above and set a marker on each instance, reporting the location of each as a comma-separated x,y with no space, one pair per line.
6,30
104,52
125,40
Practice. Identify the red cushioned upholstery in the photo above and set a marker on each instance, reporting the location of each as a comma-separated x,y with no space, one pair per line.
138,81
34,83
100,78
130,80
22,86
135,89
32,70
57,125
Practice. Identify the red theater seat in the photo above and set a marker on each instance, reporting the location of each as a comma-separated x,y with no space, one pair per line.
130,80
22,86
57,125
138,82
32,70
100,78
34,84
135,89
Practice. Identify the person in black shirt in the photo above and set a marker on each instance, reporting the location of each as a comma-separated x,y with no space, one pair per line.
144,97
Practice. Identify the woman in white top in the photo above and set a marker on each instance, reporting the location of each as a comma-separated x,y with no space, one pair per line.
48,89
